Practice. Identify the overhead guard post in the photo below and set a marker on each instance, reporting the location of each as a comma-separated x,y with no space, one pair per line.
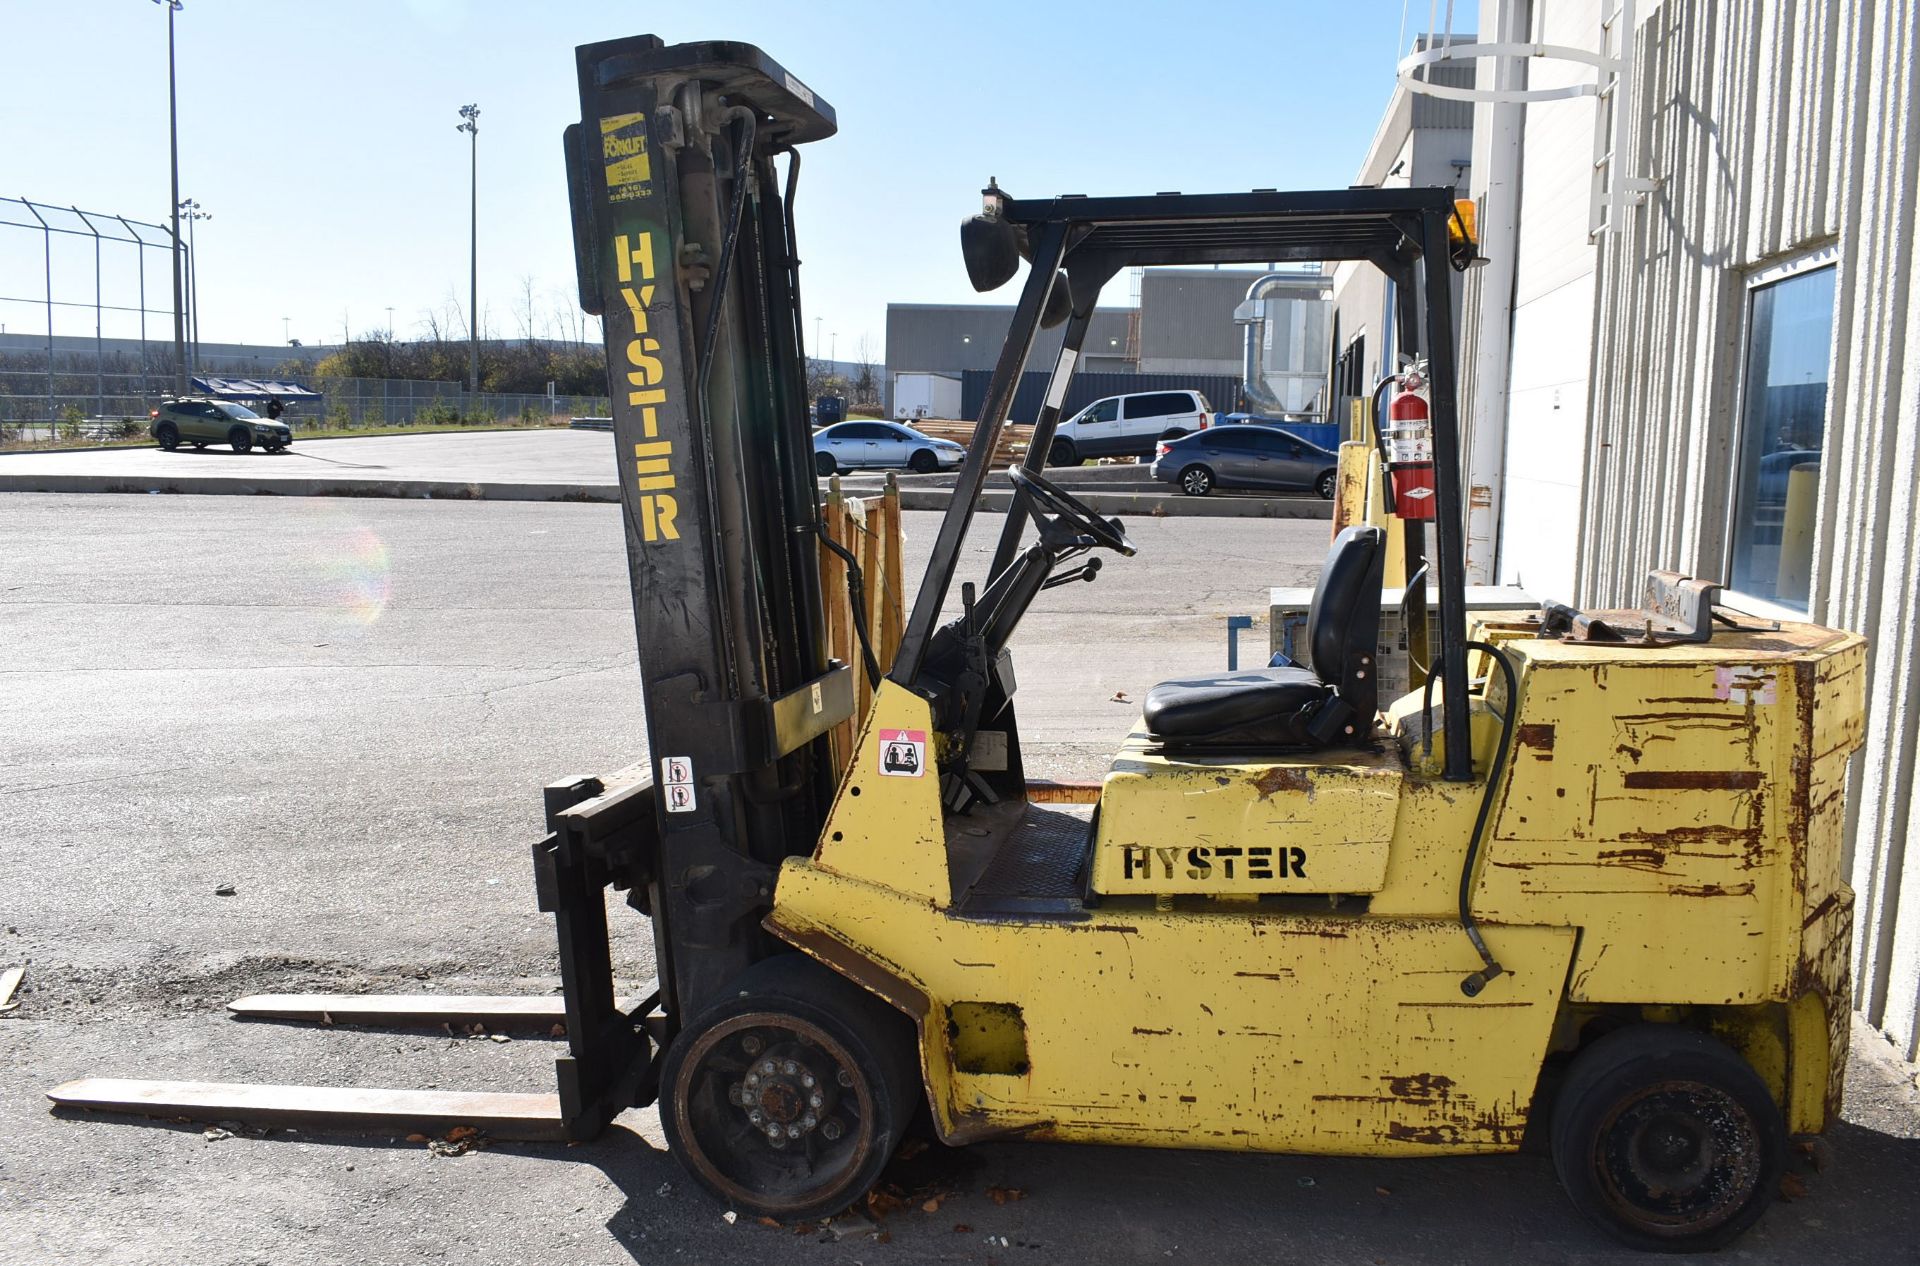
1049,244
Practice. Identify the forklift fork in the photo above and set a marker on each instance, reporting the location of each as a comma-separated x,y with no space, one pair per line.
595,830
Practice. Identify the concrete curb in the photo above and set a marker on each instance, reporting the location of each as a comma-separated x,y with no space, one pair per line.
1149,505
217,485
1128,504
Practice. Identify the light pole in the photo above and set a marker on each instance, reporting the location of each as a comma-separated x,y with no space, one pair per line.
286,330
470,114
191,210
173,128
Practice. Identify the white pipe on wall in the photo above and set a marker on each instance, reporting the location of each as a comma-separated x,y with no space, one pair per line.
1496,171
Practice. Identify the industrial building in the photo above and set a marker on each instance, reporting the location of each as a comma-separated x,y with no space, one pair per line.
1693,347
1181,331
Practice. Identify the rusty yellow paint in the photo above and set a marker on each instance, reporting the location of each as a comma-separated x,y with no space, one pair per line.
1212,1030
1664,845
1225,824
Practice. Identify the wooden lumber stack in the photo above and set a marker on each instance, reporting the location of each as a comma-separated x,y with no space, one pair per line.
1013,439
868,528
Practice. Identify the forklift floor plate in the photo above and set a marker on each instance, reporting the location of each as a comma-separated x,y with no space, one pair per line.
408,1010
531,1117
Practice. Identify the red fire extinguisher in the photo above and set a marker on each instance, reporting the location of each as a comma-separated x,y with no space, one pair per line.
1410,449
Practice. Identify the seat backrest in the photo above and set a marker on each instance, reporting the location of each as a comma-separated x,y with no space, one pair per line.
1343,624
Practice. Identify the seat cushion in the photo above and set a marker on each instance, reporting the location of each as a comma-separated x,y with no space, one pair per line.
1265,707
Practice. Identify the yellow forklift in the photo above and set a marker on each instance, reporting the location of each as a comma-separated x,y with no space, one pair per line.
1585,884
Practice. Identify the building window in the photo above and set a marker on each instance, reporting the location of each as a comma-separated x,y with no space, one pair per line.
1783,421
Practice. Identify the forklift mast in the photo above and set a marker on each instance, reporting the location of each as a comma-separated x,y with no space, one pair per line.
684,246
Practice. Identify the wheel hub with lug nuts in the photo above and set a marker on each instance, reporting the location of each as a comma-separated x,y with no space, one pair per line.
784,1099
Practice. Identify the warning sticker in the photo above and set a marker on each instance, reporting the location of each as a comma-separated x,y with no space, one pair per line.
623,145
903,753
676,783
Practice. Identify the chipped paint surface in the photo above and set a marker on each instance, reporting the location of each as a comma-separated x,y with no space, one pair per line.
1176,1029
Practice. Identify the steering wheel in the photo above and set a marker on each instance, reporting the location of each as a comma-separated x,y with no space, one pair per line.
1102,531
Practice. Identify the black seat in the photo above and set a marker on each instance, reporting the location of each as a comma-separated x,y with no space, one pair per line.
1329,702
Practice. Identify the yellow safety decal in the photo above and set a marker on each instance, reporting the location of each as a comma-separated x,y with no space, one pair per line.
646,376
623,146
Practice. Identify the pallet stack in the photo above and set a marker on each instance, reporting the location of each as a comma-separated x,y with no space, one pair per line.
1011,448
868,528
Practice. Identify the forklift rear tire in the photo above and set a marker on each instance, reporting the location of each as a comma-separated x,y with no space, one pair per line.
1063,453
824,465
168,436
786,1098
1667,1139
240,439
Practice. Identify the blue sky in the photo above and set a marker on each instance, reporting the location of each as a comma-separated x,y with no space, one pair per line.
321,137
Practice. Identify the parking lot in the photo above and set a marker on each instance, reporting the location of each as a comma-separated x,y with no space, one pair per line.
342,711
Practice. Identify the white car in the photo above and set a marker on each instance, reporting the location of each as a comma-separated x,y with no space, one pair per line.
864,444
1128,426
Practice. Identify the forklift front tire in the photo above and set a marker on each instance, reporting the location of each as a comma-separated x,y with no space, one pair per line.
1667,1139
787,1098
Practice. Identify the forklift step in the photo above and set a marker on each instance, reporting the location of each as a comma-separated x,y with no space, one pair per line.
534,1118
408,1010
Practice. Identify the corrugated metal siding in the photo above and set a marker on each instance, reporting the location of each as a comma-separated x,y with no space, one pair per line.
933,336
1189,315
1777,128
1222,391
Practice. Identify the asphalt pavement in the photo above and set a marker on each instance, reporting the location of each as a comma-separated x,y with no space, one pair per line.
342,710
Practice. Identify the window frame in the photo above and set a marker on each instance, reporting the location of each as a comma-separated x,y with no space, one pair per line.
1798,264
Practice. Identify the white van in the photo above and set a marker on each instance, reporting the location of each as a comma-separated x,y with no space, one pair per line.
1128,426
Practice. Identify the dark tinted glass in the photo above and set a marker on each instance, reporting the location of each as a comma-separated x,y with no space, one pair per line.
1782,432
1159,404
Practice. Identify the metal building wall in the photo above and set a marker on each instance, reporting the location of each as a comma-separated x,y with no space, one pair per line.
1775,128
1186,316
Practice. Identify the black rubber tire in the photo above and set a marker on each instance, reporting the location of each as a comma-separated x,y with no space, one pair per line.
167,435
1196,481
1658,1088
240,438
923,462
875,1079
824,465
1063,453
1327,484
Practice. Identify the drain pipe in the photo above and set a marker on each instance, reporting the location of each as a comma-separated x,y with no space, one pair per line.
1253,361
1496,168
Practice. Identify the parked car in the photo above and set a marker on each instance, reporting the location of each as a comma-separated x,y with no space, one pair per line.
1245,457
204,422
1128,426
860,445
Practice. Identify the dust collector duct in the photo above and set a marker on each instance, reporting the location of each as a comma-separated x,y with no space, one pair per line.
1253,315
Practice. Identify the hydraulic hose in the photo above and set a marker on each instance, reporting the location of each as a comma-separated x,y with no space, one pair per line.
1473,984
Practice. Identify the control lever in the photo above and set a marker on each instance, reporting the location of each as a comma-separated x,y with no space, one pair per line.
1085,571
